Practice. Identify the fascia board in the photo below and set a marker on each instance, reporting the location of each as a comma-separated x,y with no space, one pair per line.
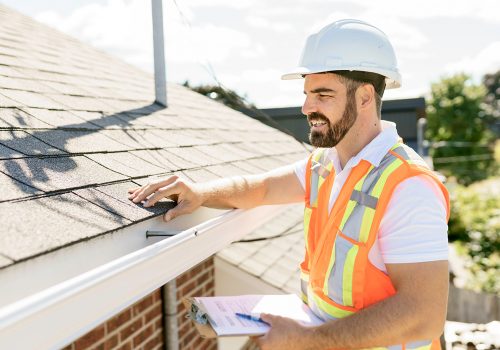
52,318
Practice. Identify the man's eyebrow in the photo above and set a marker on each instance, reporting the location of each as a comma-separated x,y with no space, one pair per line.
319,90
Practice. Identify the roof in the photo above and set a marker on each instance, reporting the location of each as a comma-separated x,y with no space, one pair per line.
79,127
276,258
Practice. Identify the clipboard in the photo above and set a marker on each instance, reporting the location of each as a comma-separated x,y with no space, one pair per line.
201,321
217,316
199,317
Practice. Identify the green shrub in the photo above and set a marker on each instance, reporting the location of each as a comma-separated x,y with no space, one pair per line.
475,227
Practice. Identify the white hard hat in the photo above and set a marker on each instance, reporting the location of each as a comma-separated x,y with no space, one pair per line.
348,45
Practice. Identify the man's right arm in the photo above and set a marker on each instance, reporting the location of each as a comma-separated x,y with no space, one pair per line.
274,187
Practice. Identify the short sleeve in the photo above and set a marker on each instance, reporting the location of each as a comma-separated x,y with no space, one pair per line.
414,227
299,168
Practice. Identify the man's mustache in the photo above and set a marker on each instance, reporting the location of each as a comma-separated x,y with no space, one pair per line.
317,116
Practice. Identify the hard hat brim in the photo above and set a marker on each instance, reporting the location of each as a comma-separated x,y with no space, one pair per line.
393,79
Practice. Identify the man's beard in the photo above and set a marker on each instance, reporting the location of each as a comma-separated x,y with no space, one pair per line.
337,131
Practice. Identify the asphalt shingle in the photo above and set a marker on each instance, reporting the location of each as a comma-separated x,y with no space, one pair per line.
156,119
80,141
4,261
13,117
126,163
31,99
133,139
248,168
171,156
200,175
35,226
13,189
184,139
194,156
225,170
275,261
161,159
11,72
26,143
81,103
50,174
220,152
113,198
59,119
8,153
109,121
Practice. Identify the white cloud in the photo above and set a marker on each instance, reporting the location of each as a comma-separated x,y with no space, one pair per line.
249,41
254,51
120,27
485,61
261,22
239,4
426,9
124,28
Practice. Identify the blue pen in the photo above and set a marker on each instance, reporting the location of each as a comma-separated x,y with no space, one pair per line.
251,318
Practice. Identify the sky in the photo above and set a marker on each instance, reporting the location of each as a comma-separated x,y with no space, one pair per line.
248,44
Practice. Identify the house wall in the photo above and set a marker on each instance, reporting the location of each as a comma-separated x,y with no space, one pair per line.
231,280
140,326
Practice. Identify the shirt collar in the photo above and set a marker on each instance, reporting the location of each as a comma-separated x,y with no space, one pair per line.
372,152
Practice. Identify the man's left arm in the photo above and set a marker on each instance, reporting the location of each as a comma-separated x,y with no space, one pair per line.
416,312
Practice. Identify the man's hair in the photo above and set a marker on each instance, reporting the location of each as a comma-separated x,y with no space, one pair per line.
354,79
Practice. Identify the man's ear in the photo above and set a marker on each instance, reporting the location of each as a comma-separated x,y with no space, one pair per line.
365,96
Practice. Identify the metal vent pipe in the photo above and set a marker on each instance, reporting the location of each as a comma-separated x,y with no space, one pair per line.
159,53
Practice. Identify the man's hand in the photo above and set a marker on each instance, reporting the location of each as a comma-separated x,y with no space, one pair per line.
278,186
188,195
285,334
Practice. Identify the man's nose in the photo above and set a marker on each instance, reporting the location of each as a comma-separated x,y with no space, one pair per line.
309,106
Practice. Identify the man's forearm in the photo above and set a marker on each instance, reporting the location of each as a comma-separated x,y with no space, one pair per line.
390,322
234,192
274,187
416,312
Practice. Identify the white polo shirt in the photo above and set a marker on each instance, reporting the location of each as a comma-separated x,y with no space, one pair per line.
414,227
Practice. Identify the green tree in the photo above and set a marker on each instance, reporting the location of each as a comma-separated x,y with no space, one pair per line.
457,126
226,96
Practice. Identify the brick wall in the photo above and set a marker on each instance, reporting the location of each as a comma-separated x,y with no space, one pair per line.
199,281
141,325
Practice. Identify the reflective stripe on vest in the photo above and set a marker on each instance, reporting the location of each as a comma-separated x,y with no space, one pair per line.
321,168
354,230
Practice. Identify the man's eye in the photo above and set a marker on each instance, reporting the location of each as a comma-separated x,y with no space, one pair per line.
321,95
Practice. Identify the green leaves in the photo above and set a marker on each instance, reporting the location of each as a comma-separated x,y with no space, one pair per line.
456,113
475,226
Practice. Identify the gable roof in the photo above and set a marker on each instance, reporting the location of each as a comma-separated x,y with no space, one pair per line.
78,128
273,252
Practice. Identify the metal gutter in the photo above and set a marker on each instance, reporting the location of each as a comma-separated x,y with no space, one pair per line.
54,317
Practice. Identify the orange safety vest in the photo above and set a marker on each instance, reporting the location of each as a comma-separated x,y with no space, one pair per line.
337,278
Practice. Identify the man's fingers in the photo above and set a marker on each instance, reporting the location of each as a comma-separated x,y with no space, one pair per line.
257,340
151,188
163,192
268,318
134,192
173,213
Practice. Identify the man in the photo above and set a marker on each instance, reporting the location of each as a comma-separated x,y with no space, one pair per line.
375,218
